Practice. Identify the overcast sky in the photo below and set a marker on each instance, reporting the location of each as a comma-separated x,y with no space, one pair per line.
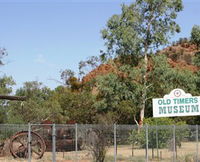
43,37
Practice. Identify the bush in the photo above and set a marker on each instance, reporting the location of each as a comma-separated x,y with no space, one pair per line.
160,132
195,35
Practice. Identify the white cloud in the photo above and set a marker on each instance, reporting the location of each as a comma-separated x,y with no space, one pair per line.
40,59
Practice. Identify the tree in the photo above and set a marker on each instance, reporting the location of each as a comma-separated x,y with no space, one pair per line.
6,84
69,80
121,39
140,28
75,106
90,63
98,141
119,92
197,63
3,53
66,75
115,98
163,78
38,106
160,132
195,35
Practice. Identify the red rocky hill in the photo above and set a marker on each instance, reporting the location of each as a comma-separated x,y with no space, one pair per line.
179,55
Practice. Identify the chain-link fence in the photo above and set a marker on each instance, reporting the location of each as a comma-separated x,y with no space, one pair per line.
99,143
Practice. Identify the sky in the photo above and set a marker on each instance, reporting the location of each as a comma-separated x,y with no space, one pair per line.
43,37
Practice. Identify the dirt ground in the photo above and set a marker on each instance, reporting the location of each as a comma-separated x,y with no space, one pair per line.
186,153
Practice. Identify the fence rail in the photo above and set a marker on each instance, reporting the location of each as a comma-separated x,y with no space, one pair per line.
99,143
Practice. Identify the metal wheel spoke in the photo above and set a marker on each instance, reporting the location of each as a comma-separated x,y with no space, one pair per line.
16,151
36,152
20,149
19,140
26,153
34,143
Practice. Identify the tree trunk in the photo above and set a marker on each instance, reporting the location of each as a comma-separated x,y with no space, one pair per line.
144,92
16,98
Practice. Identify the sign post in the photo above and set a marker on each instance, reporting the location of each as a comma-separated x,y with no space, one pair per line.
177,103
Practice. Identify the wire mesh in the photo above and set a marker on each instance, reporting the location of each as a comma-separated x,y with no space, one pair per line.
99,143
9,140
131,143
44,131
65,143
160,143
186,143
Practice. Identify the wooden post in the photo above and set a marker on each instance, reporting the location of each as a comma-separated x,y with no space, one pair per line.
16,98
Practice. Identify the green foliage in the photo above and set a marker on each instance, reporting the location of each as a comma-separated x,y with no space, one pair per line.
66,75
196,59
159,121
164,78
116,94
160,133
76,106
120,92
6,84
197,63
195,35
157,20
143,24
34,90
91,63
121,38
3,53
69,80
141,28
39,105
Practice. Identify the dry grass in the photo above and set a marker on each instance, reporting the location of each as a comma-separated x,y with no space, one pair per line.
186,153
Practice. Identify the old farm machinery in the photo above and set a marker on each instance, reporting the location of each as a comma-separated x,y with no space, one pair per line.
17,143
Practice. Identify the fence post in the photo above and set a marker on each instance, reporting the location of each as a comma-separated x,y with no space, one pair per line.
147,144
115,143
76,141
174,143
53,143
157,140
197,143
29,142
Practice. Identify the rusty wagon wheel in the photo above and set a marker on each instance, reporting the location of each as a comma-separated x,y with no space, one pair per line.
19,145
